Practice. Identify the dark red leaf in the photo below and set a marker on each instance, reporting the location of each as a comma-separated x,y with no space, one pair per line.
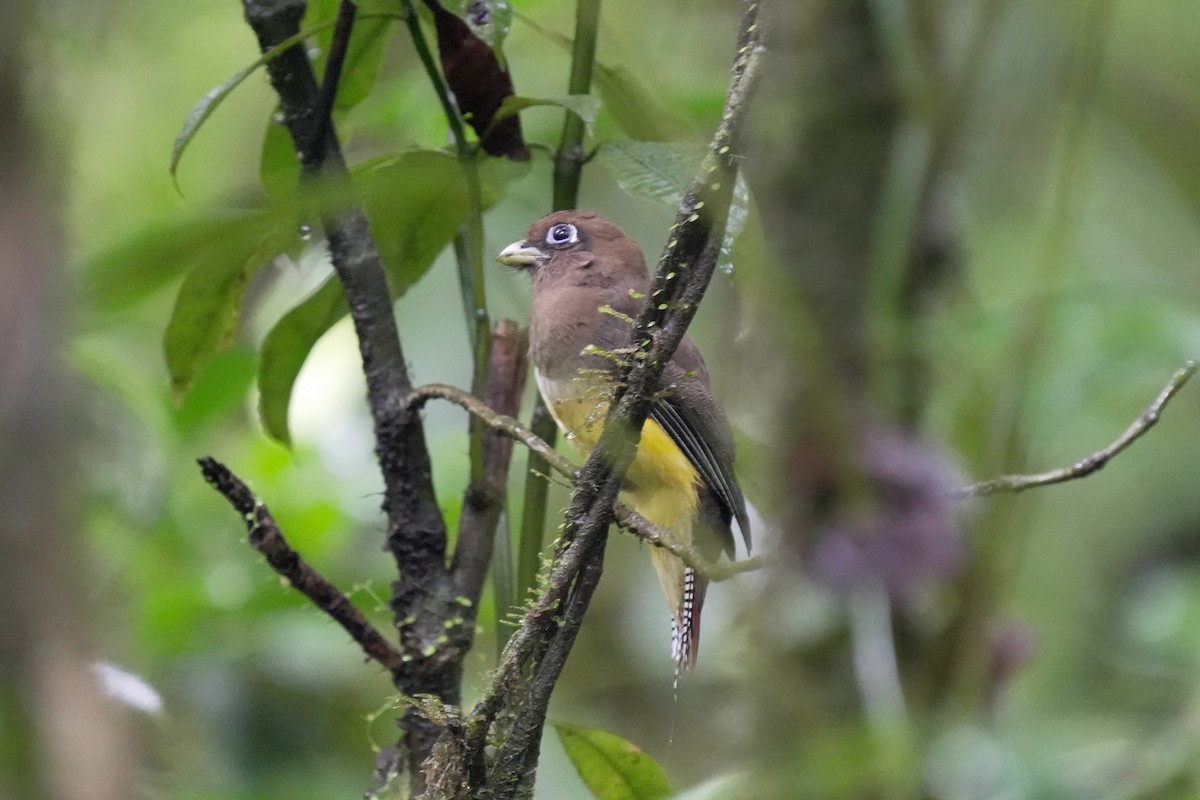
479,84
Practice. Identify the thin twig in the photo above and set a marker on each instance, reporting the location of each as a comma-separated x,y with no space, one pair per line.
323,109
1012,484
267,538
652,534
500,422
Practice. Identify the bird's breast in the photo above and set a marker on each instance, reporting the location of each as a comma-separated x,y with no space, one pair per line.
661,483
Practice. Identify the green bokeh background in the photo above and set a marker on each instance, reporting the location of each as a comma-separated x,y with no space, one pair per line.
265,698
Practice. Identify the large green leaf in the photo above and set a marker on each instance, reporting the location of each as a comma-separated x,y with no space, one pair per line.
638,111
611,767
660,171
416,202
219,389
205,316
148,261
664,171
286,348
206,105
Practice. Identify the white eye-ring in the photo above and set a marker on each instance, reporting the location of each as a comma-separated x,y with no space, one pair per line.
561,234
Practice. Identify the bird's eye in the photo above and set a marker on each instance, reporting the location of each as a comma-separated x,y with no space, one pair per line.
562,233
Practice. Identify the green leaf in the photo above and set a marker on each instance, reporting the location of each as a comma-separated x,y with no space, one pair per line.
219,389
415,202
364,52
363,58
320,12
144,263
664,171
279,169
656,170
490,20
206,105
611,767
638,111
285,349
205,316
584,106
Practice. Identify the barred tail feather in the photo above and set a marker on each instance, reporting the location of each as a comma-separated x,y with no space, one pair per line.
685,624
684,591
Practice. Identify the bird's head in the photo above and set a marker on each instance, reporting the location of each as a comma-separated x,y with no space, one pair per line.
577,248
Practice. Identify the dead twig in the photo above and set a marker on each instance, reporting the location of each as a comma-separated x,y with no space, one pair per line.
1011,484
267,538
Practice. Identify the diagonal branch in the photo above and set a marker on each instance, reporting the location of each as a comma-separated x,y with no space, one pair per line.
1011,484
625,517
683,274
267,538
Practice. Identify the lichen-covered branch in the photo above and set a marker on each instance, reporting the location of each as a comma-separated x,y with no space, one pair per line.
683,274
268,539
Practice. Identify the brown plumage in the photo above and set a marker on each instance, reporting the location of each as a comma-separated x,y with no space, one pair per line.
589,280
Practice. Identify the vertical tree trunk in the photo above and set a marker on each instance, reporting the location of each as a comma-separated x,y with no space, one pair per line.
76,739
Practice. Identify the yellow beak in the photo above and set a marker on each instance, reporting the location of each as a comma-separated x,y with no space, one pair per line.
519,254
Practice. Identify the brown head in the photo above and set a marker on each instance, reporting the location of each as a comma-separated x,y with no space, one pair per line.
580,262
577,249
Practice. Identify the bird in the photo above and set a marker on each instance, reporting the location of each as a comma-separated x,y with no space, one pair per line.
589,284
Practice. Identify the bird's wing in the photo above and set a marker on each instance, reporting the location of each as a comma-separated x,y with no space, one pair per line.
688,412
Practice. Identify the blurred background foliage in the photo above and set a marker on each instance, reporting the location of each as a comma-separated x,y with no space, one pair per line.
1072,193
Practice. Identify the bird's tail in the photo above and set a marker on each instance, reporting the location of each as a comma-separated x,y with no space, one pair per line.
684,591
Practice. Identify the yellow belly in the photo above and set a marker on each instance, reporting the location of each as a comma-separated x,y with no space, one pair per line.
660,484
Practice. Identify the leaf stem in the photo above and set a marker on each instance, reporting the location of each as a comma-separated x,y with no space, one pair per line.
568,161
413,21
568,168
